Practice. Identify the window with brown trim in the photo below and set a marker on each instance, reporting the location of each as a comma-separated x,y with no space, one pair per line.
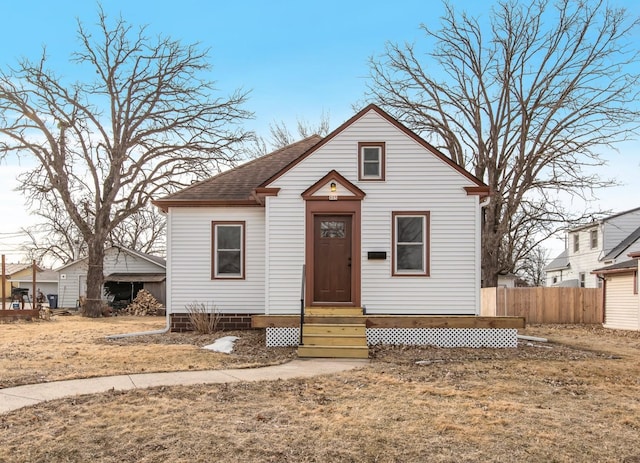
635,282
371,160
410,234
228,250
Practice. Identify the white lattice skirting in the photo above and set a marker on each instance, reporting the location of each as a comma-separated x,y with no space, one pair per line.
441,337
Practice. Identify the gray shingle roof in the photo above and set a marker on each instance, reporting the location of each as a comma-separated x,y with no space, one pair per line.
627,264
623,245
559,263
238,184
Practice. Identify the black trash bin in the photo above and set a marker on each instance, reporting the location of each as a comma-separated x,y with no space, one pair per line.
53,301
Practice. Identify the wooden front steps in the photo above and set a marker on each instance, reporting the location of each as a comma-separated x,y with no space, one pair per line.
328,336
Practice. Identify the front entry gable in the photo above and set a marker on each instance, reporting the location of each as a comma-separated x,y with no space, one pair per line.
332,187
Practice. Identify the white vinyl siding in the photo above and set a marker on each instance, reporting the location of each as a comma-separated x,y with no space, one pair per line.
189,260
622,309
415,180
585,259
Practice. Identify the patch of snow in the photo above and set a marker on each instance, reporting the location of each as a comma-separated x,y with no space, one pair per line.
224,344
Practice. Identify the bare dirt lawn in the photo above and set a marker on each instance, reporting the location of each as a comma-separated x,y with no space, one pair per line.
574,399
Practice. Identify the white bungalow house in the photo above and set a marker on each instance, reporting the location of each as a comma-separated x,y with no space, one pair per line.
384,228
127,270
604,242
620,288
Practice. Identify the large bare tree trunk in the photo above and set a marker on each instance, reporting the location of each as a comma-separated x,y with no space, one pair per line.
95,278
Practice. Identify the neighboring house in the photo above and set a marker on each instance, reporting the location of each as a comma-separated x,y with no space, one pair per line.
621,300
507,280
379,218
46,282
604,242
128,270
12,272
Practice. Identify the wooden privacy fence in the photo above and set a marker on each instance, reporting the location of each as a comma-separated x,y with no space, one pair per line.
544,305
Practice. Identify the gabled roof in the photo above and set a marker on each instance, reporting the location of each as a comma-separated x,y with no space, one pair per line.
402,128
237,186
159,261
11,269
603,220
623,245
245,184
559,263
620,267
44,276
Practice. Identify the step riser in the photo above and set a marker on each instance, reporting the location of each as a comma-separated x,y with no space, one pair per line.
333,311
333,352
355,341
334,330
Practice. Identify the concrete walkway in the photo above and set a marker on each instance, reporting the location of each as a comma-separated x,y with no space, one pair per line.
13,398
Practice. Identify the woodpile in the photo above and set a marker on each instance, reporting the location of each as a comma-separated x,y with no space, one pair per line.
143,304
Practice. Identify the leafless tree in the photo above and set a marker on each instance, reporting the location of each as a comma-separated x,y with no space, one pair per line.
531,267
57,240
143,231
145,122
526,101
280,135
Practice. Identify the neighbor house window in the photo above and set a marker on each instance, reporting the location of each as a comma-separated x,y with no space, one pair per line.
228,249
410,244
594,239
371,160
581,278
576,242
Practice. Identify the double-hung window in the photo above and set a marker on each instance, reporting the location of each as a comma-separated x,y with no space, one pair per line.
371,160
411,244
228,250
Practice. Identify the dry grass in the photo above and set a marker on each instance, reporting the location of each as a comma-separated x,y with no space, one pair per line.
529,404
70,347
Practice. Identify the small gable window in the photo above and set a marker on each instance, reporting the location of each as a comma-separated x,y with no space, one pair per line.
371,159
228,246
411,244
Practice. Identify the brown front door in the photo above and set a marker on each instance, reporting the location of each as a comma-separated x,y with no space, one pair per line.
332,258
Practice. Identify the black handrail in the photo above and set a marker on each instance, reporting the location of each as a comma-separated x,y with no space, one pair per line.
302,286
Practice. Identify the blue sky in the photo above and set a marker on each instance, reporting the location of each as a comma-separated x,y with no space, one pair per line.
299,59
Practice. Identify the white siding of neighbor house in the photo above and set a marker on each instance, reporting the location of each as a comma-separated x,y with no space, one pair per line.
72,279
189,253
622,309
585,259
415,180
